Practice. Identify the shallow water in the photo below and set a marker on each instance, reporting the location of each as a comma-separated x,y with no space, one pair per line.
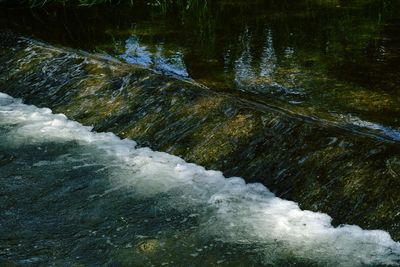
325,74
73,196
340,57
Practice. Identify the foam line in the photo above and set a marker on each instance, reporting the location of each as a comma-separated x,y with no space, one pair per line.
237,212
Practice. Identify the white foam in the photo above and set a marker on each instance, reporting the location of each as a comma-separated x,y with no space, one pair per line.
238,213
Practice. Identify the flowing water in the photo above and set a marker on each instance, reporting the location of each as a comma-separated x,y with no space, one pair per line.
340,57
73,196
304,98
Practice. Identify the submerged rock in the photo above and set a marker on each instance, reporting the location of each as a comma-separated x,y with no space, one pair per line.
148,246
5,158
393,166
345,170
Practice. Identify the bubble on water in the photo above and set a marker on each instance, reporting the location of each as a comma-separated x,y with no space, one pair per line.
226,209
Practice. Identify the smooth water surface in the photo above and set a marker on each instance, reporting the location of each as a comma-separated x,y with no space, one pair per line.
336,57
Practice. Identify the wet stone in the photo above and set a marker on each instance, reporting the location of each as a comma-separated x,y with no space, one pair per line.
393,166
5,158
325,164
148,246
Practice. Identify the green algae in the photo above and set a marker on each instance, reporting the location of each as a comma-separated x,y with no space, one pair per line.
351,175
324,56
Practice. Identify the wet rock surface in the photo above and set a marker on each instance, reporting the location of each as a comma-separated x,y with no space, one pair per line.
347,171
5,158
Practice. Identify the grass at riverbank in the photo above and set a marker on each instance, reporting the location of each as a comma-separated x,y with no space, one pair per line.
37,3
161,3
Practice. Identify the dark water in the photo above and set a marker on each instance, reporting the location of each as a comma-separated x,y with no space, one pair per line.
335,58
73,197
